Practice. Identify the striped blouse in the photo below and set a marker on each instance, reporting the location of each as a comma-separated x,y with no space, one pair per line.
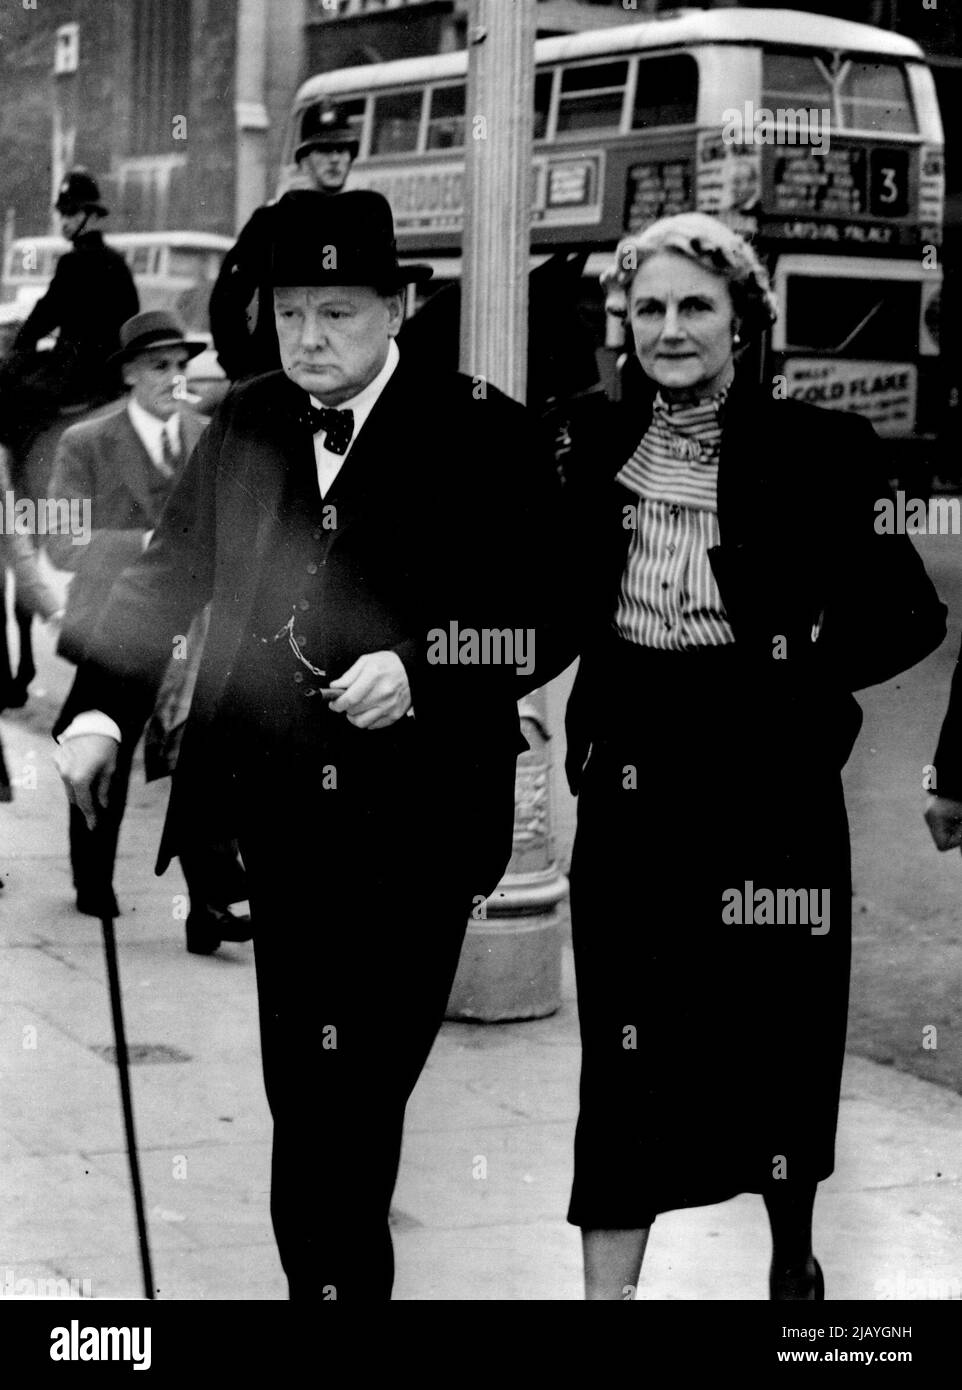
669,598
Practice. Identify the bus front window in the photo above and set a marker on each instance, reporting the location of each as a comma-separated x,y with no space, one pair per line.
796,80
856,317
875,96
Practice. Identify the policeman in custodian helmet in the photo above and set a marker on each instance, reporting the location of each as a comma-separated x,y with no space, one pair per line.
91,294
241,304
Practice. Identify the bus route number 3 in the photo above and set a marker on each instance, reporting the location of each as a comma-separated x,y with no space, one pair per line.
889,180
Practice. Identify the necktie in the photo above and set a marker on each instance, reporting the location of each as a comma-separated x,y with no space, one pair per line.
169,455
338,426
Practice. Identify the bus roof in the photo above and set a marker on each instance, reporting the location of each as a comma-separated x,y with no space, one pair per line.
773,27
203,241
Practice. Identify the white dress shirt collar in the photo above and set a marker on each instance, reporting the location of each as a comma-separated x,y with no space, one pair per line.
329,464
364,402
151,430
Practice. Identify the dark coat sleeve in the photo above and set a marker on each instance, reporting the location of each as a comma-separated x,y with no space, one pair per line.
883,614
125,301
501,557
47,314
244,269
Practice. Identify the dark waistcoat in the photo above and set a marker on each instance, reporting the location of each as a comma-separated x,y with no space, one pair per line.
272,692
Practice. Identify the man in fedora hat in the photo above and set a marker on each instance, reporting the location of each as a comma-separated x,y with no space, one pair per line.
338,515
124,464
91,294
241,305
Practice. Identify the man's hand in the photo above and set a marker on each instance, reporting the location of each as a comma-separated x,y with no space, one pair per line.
87,763
943,816
376,691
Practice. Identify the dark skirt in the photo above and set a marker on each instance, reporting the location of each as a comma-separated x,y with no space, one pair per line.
711,839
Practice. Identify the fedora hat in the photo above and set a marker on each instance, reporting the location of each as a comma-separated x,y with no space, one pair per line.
155,328
326,127
347,239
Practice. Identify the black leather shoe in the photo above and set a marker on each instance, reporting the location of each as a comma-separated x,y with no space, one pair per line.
93,905
201,939
208,926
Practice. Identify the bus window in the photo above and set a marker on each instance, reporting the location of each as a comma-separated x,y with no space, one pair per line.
858,317
796,80
397,120
592,96
446,118
141,259
543,84
667,92
875,96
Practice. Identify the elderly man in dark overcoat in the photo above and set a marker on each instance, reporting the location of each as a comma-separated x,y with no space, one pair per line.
339,515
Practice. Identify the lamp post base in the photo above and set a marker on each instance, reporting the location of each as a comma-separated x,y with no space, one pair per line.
510,965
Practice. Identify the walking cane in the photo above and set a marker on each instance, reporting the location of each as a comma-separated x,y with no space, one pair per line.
123,1068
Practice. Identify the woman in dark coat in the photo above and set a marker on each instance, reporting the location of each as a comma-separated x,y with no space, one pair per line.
736,592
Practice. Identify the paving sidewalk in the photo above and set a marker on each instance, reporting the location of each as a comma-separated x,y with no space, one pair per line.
480,1202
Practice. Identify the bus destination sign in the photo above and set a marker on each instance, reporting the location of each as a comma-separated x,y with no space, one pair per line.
842,182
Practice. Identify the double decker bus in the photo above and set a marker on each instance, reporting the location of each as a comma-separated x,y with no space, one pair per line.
818,138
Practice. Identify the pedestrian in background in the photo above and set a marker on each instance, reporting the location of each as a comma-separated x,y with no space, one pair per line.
736,593
125,465
91,294
241,302
18,554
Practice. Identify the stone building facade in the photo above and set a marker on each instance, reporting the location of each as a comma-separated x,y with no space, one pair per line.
177,106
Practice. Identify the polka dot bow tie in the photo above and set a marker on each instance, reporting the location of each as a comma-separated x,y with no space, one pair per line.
338,426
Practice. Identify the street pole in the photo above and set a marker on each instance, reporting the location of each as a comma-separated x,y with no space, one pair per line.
497,193
250,109
511,962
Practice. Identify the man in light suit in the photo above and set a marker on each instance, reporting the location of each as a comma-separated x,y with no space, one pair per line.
125,464
337,515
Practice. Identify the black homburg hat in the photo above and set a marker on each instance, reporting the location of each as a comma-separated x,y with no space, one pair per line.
347,239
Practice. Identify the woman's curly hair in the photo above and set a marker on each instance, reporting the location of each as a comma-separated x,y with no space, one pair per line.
712,245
